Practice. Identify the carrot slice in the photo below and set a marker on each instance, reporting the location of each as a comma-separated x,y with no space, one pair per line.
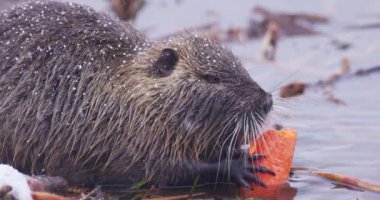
278,148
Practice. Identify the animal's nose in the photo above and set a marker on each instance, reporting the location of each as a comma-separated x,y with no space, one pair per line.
267,103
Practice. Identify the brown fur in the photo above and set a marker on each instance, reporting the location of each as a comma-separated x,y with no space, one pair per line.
78,98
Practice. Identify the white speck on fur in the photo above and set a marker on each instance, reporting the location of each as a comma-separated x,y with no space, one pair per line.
9,176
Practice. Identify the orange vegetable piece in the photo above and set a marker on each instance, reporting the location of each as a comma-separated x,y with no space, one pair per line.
278,148
48,196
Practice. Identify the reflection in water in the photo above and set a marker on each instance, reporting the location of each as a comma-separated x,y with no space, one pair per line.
287,193
281,192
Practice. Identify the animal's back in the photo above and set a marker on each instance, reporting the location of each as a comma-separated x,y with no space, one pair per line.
56,66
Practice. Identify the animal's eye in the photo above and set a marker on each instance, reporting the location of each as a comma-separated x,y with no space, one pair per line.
166,63
211,78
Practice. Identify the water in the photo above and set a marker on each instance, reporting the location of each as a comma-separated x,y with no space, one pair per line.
342,139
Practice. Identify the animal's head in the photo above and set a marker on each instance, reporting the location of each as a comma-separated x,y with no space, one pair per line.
195,92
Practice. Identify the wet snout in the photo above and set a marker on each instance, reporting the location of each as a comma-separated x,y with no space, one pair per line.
267,103
256,99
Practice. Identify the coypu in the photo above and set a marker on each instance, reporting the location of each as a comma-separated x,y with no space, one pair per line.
93,101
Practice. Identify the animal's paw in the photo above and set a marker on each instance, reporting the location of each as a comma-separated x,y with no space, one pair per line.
243,170
13,184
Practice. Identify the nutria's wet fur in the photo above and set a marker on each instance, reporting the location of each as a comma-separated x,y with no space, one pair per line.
89,99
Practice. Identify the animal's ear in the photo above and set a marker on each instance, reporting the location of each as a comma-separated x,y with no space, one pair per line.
166,62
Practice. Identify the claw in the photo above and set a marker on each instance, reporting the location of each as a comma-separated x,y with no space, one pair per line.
255,157
244,183
239,153
245,170
261,169
255,179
